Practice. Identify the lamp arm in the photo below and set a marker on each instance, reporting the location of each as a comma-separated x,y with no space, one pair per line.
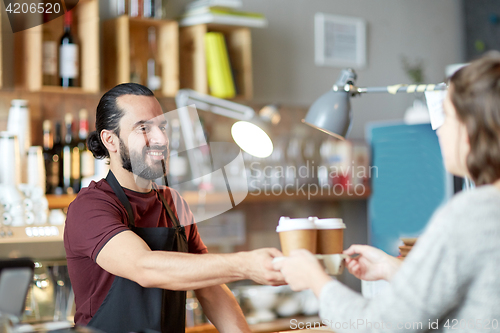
404,88
394,89
213,104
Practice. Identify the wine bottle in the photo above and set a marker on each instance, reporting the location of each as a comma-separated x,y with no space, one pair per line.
47,154
153,65
49,54
71,159
86,158
56,168
68,55
158,12
135,65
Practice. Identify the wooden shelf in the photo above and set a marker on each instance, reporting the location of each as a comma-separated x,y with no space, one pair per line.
193,68
66,90
124,33
214,199
29,44
60,201
205,328
193,199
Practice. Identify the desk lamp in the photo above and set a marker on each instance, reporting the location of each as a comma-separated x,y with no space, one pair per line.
331,113
247,132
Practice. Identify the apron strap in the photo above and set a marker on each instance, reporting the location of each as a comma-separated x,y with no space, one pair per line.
175,221
111,179
113,182
181,243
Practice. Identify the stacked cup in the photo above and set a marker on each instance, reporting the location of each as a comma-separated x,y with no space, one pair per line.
296,234
323,237
330,235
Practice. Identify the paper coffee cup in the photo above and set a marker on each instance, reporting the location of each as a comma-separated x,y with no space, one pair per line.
296,234
330,235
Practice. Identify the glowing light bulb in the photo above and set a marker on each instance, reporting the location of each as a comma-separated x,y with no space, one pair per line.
252,139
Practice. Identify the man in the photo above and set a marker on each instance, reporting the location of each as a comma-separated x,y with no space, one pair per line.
132,248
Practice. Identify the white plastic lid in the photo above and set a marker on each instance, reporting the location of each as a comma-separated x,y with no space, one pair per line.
288,224
19,102
334,223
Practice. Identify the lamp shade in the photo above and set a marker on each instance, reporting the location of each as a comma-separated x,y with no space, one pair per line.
331,113
252,139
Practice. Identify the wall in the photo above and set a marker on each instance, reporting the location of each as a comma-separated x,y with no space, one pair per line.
482,24
283,53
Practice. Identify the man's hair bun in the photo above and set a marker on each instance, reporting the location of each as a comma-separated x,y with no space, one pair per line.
96,146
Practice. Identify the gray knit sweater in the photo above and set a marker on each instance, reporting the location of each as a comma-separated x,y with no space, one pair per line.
450,281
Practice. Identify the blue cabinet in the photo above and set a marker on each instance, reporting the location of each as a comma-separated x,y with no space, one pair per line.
408,182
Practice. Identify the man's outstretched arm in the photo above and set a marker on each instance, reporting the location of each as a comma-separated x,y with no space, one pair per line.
128,256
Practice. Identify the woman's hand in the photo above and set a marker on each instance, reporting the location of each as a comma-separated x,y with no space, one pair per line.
372,264
302,271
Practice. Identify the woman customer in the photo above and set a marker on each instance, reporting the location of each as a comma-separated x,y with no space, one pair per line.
449,281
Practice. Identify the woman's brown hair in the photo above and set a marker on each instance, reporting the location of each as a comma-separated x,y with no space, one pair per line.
475,94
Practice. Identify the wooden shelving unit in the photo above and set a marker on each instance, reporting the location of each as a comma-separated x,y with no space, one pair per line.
60,201
193,69
122,34
214,199
193,198
29,43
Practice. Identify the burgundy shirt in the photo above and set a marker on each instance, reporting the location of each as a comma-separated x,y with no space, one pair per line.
94,217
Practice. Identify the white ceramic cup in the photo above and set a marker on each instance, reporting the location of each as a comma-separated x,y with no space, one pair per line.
10,160
36,167
19,124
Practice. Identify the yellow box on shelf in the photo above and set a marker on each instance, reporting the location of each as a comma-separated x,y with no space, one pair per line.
193,67
220,78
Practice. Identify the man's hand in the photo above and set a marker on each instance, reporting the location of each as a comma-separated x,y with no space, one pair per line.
372,264
259,266
128,256
303,271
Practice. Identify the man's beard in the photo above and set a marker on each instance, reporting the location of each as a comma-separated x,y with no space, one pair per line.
136,162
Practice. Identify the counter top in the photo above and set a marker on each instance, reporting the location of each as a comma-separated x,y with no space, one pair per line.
312,330
282,324
278,325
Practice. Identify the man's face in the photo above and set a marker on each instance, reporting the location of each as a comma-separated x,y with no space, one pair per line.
143,138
